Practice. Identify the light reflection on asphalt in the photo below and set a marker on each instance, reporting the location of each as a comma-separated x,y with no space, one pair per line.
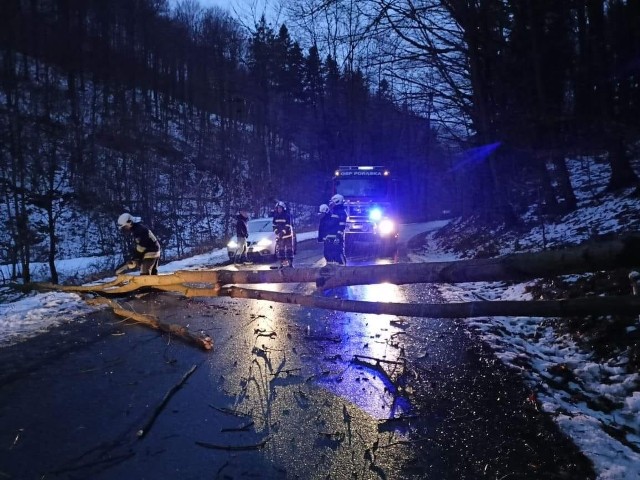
328,342
365,335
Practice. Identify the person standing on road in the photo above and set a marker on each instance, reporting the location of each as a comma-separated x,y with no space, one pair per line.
284,235
334,239
323,230
242,235
147,248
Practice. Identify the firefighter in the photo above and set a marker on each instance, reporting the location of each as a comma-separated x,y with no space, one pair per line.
147,249
284,235
334,239
323,228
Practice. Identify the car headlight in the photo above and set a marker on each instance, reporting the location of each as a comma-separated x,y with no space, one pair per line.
386,227
375,215
264,242
232,245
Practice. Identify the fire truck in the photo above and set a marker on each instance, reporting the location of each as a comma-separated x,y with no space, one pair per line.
369,193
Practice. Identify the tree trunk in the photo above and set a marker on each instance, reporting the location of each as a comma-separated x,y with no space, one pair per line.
622,305
52,242
592,256
588,257
622,174
565,189
548,200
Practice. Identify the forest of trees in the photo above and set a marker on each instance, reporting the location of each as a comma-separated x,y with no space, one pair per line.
181,115
520,84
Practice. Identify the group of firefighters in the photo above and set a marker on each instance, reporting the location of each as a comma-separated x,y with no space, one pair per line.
330,232
331,229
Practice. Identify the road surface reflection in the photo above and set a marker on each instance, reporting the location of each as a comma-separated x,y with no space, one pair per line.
356,357
368,354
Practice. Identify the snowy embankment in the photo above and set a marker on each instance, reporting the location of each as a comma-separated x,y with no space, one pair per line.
595,402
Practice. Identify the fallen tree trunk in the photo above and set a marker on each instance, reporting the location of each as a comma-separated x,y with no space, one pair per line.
622,305
589,257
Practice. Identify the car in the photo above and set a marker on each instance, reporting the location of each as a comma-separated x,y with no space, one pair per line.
262,241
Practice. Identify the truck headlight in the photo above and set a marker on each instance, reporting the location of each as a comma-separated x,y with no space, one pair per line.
232,245
386,227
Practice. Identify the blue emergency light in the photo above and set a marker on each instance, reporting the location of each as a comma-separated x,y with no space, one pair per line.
375,215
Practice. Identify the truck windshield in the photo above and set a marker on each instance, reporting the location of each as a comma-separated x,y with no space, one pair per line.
362,187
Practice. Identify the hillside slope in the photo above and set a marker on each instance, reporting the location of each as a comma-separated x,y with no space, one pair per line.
585,372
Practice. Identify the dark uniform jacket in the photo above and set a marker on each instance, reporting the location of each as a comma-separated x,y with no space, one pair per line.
241,226
147,245
324,226
282,224
338,222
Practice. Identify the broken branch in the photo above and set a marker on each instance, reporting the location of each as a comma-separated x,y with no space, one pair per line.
215,446
242,428
147,426
172,329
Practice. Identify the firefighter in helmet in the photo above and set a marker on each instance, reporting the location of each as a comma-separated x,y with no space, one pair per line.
284,234
147,248
334,238
323,228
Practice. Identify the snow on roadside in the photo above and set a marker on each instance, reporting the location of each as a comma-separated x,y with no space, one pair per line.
37,313
596,404
566,381
24,316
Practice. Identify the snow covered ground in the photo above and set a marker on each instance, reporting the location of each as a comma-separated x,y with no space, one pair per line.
568,383
23,317
596,404
610,439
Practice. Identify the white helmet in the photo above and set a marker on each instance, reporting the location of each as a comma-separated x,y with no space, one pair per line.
324,208
280,204
337,199
124,219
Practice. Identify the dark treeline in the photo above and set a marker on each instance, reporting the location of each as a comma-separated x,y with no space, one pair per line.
524,83
552,80
179,117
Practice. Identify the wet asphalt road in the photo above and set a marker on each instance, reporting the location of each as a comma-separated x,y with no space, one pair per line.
288,392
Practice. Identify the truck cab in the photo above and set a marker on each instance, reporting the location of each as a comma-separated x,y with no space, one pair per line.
369,193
